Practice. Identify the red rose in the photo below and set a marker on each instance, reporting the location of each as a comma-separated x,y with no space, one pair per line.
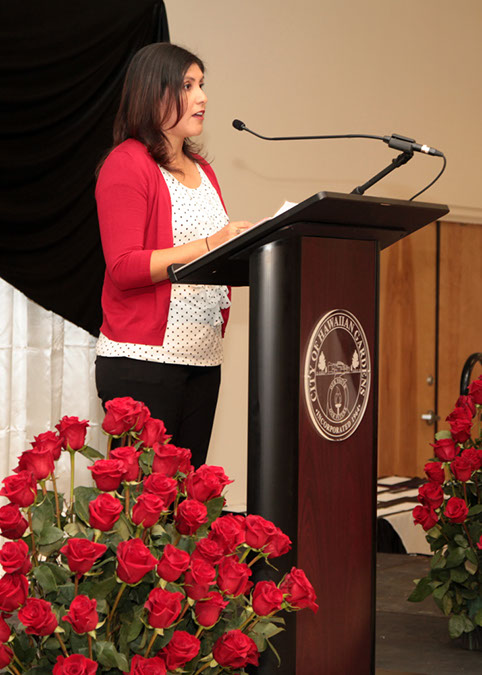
37,615
50,441
456,510
14,557
475,391
6,656
130,458
147,510
74,665
169,459
104,512
258,531
461,468
434,472
424,516
72,431
4,630
228,531
12,523
278,544
206,483
134,561
38,461
181,649
460,427
13,592
208,550
267,598
198,579
154,431
190,515
173,563
445,449
82,614
108,474
20,489
233,577
123,415
235,649
161,485
479,546
163,607
431,494
150,666
473,457
81,554
209,610
466,402
298,590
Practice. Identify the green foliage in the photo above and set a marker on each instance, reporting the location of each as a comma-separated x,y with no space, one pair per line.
455,576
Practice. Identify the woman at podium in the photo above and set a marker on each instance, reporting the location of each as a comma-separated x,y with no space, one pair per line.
159,203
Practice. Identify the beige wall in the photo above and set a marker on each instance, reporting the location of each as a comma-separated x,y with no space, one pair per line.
313,66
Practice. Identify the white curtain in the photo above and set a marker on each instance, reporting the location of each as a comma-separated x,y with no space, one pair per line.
46,371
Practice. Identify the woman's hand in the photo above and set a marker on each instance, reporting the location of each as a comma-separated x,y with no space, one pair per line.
228,232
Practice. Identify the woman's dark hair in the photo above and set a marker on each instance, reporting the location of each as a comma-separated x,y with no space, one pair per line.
156,73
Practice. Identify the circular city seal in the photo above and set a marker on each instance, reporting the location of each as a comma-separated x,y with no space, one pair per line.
337,375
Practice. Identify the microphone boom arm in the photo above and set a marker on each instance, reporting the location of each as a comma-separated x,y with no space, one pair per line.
400,160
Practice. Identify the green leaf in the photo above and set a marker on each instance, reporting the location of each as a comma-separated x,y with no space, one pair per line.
443,433
82,497
470,567
461,540
478,618
214,507
45,578
123,528
91,453
100,590
42,515
438,561
266,629
146,460
65,594
455,557
49,535
456,626
421,591
475,510
459,574
107,655
447,604
472,556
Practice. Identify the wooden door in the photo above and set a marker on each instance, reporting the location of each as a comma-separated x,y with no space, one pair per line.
460,308
407,388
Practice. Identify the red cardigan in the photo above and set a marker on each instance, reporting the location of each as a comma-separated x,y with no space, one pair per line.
134,209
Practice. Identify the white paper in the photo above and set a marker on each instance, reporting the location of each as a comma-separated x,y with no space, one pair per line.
285,206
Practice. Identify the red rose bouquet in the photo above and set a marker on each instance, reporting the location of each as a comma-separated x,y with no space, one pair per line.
140,573
450,511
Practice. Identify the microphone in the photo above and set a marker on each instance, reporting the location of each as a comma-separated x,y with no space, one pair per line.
395,141
409,145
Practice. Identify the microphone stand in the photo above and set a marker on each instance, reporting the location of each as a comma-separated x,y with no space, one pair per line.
402,159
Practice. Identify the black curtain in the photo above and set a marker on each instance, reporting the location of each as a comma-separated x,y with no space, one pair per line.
61,70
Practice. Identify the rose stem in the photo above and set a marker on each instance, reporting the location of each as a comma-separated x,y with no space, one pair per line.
199,631
72,476
465,493
152,640
203,668
89,638
127,495
13,669
116,602
62,644
244,556
15,658
186,606
57,505
469,537
109,444
177,540
76,590
34,550
44,487
250,564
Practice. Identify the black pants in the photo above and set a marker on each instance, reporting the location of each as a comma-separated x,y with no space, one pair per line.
183,397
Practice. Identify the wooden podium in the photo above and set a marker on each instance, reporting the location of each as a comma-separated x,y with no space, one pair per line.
312,434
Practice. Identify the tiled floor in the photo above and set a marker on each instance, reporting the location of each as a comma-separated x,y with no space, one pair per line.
412,638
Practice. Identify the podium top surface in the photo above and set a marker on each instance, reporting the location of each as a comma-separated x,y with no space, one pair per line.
324,214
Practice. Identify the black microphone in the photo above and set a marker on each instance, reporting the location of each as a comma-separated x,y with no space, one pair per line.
409,145
395,141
